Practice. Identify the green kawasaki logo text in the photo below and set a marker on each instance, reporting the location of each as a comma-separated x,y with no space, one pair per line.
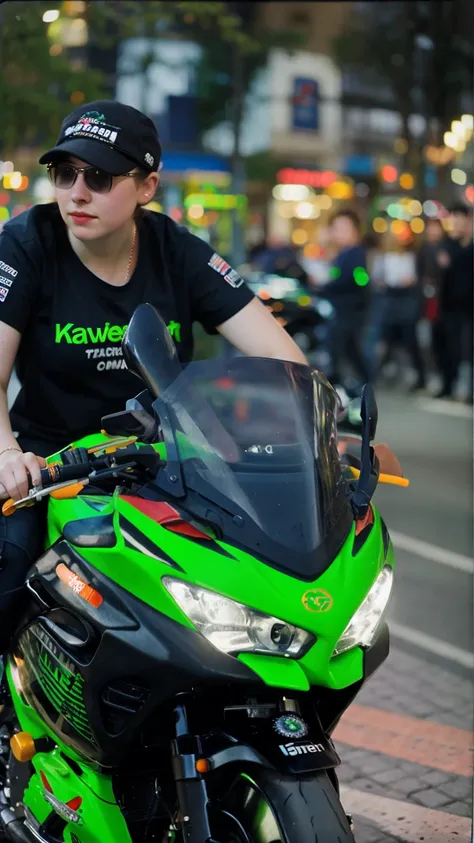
71,333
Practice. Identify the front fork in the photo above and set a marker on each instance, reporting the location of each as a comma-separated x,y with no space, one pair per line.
190,786
191,789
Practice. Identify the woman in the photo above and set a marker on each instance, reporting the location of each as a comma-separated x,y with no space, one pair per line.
71,275
394,275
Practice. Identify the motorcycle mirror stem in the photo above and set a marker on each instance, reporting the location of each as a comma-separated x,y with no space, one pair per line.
369,463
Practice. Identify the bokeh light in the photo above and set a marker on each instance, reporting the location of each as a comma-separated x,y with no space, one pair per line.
362,189
389,173
307,211
458,176
324,202
430,208
340,190
51,15
195,212
379,225
417,225
77,97
286,210
291,192
397,227
407,182
400,146
300,237
361,276
416,208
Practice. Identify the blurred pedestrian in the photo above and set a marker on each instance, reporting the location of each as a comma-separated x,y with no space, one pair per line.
428,268
276,256
454,327
347,292
394,273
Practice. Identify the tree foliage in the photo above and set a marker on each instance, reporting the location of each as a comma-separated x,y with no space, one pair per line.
37,82
421,48
35,86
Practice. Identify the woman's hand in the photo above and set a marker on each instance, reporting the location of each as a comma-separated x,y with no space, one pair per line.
17,470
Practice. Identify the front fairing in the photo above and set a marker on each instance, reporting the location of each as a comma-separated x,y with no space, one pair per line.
323,606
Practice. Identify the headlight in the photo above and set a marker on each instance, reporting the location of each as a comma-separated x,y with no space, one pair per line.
363,626
235,628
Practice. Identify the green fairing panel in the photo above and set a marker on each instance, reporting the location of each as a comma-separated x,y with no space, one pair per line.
277,672
102,818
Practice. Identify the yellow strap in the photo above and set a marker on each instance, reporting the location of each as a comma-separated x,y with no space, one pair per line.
110,447
384,478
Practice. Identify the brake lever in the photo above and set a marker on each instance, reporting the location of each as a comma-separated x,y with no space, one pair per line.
10,506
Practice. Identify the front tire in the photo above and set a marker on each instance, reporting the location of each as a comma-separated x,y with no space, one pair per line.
263,806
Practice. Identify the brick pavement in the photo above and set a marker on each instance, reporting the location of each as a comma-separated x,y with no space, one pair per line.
409,686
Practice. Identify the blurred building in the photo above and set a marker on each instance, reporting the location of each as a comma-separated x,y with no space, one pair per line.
314,136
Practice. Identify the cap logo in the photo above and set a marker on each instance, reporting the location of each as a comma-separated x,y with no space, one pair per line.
92,117
93,128
149,159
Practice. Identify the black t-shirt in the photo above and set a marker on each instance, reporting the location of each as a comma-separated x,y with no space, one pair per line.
70,362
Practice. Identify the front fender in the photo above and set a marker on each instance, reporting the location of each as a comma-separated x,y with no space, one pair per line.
258,742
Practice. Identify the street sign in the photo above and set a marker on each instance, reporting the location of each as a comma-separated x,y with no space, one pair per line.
305,101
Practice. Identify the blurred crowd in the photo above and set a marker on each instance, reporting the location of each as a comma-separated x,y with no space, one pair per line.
395,305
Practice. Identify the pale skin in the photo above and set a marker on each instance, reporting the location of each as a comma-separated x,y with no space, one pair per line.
103,244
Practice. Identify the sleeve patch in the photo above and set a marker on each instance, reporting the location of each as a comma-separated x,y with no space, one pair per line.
223,268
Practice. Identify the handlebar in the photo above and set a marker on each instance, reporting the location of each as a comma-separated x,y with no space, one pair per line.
63,473
115,462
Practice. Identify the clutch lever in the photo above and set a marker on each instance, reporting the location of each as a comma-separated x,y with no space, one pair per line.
10,506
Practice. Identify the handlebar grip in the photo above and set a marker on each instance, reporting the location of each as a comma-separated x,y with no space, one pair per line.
62,473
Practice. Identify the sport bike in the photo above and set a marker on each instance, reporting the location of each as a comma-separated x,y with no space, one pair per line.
209,602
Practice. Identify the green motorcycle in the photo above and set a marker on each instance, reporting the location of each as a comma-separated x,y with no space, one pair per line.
209,603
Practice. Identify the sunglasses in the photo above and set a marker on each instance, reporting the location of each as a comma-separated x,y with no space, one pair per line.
64,175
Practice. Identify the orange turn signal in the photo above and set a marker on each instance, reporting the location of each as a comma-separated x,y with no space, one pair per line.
81,588
202,766
23,746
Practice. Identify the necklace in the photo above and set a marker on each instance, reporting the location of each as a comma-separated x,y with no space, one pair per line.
129,263
130,257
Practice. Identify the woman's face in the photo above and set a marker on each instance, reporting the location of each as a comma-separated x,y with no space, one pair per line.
90,215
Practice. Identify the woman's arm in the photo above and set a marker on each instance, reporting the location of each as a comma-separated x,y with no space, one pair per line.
9,344
255,332
16,468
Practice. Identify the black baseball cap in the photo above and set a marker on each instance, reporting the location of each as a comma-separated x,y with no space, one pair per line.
109,135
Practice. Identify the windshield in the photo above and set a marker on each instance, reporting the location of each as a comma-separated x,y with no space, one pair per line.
257,443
